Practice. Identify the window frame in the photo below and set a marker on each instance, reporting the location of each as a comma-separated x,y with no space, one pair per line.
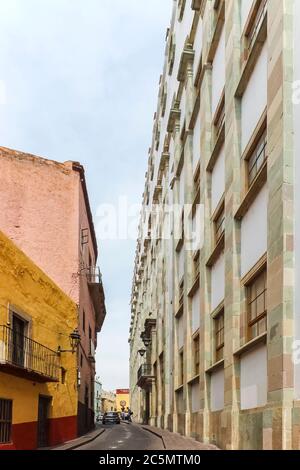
219,330
252,322
6,421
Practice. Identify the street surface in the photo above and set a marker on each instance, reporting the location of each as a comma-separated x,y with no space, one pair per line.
124,437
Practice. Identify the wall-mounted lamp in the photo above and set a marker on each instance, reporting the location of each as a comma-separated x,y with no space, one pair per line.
75,339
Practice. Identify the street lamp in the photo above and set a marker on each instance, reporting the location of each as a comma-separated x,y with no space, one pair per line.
142,352
74,342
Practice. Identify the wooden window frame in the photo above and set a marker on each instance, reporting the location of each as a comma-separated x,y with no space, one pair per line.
180,368
219,331
6,405
196,353
260,142
251,322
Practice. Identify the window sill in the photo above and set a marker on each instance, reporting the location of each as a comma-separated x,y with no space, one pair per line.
251,344
253,191
217,148
179,311
193,379
195,286
252,59
220,20
215,366
217,251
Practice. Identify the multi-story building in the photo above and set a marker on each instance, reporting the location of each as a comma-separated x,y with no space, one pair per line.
214,300
122,399
108,401
38,377
98,397
45,210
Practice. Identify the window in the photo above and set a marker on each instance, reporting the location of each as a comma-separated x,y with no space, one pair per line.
256,23
257,158
63,375
181,6
5,421
220,224
257,305
84,237
219,336
220,116
83,320
196,347
81,360
180,375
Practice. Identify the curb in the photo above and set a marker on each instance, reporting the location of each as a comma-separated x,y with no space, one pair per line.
76,445
155,434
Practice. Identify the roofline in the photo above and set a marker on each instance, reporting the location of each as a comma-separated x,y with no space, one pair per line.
76,166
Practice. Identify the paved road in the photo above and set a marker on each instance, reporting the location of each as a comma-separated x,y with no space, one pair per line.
124,437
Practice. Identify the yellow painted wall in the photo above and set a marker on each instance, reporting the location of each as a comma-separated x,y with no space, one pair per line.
122,397
54,316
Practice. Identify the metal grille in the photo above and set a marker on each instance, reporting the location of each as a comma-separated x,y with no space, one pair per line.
22,352
5,421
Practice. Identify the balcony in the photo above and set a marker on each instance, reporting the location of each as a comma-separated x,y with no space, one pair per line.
94,279
23,357
145,376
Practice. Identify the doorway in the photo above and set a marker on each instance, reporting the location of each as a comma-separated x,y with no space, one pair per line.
43,421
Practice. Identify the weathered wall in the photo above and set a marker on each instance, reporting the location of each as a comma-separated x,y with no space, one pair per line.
53,317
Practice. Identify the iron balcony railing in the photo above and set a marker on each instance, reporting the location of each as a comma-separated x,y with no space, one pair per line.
144,371
94,275
21,352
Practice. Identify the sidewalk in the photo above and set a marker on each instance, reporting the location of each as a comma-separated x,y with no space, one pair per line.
174,441
80,441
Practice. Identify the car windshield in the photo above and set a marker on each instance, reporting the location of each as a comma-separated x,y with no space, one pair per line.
111,414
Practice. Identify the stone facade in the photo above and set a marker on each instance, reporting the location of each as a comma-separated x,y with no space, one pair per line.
218,315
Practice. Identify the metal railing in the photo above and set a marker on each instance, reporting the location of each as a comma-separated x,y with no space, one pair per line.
144,371
22,352
94,275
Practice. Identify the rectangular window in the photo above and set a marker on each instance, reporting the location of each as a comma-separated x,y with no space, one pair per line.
180,374
219,336
5,421
257,19
257,305
196,347
257,158
219,225
83,320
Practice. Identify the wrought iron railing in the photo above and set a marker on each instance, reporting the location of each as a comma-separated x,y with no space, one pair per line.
24,353
94,275
144,371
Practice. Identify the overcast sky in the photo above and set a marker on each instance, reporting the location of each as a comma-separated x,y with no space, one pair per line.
79,81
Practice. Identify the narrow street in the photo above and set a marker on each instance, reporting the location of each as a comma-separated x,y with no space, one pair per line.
124,437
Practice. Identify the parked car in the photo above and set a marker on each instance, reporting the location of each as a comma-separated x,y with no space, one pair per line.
100,418
111,417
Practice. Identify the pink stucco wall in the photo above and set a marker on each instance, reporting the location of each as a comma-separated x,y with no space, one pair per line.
43,209
40,213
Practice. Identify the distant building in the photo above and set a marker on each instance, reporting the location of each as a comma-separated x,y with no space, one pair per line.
38,386
108,401
97,397
45,210
122,399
